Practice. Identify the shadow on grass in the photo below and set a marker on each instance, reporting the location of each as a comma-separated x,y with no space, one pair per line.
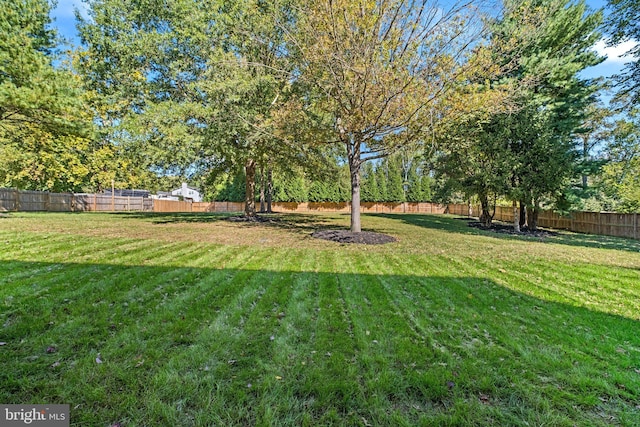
148,345
289,221
459,225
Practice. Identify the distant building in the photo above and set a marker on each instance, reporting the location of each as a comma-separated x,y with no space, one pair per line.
165,195
188,194
129,193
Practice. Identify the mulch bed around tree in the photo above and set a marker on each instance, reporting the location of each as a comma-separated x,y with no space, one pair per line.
508,229
345,236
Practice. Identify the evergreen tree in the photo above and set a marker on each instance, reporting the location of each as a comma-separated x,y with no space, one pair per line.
382,180
554,100
415,192
42,120
369,183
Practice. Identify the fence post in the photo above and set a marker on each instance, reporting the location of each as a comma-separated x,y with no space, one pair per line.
95,202
17,204
47,201
635,225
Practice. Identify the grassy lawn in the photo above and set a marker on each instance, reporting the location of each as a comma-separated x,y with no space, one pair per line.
189,320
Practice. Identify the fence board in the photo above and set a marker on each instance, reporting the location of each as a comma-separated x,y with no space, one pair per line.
8,199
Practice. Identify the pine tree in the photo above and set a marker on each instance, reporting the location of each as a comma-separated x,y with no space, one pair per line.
395,185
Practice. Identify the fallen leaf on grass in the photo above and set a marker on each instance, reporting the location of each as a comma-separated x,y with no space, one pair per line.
98,359
2,343
484,399
450,385
278,377
51,349
55,364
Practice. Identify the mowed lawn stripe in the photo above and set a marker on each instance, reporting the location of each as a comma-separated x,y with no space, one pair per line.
401,370
173,344
606,288
541,341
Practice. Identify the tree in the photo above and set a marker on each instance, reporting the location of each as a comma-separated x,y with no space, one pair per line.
524,150
144,63
202,86
621,174
623,24
395,183
382,180
369,183
42,126
555,97
376,67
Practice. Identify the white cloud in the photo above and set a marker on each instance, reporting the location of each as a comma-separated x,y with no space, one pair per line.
615,54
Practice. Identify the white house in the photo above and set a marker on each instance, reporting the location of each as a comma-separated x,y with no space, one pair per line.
189,194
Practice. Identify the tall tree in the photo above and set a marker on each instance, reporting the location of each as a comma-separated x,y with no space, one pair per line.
144,63
195,83
376,67
42,126
526,151
555,97
395,182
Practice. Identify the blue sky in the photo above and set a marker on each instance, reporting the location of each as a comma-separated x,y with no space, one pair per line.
65,22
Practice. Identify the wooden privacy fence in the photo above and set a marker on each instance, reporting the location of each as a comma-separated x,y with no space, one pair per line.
110,203
609,224
30,201
34,201
160,205
603,223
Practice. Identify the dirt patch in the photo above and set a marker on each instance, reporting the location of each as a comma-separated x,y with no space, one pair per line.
255,219
345,236
508,229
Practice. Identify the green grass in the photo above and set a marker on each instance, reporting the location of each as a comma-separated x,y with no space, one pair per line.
203,322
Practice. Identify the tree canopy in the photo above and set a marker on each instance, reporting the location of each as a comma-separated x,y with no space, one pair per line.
623,24
381,100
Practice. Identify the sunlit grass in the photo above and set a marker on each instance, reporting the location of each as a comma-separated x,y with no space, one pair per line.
199,321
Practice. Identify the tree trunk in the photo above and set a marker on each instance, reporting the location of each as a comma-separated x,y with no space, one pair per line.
250,193
533,218
516,217
269,189
262,188
523,214
485,217
353,150
585,158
